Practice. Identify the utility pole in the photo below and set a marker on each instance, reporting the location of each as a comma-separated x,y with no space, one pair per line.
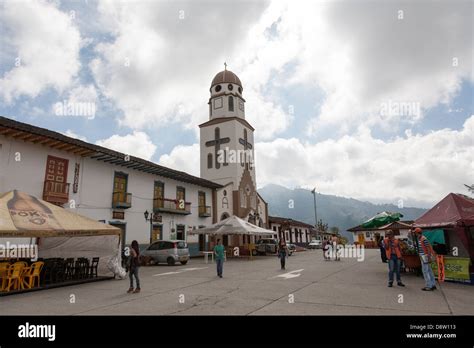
315,212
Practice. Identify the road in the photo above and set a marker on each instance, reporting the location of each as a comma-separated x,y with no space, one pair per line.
309,286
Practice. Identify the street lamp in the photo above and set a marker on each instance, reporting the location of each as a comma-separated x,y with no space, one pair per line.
151,215
315,211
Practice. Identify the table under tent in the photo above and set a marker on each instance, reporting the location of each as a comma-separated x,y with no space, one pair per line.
43,245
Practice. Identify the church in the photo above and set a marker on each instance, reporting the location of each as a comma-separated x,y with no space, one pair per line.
227,155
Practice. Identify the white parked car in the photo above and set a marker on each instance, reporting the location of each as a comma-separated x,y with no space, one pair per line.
315,244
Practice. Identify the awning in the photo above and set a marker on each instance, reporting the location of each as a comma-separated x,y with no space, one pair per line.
234,225
23,215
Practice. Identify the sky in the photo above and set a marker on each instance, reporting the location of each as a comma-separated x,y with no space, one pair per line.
365,99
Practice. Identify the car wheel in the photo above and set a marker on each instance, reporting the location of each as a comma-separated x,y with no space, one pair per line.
170,261
254,252
184,262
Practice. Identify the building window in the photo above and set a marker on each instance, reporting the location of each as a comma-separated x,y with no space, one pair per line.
180,193
231,103
230,87
218,88
209,160
158,194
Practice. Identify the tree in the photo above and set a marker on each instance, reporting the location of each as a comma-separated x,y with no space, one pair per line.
470,188
334,230
322,227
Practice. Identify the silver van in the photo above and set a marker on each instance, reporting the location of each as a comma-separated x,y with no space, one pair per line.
169,251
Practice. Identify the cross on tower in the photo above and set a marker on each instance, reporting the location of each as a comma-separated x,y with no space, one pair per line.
217,145
247,146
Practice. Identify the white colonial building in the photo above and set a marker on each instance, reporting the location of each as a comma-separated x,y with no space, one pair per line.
105,185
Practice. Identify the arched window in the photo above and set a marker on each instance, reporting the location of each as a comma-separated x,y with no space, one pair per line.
209,160
231,103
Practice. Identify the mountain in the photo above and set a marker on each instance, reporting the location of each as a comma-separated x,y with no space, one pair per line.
337,211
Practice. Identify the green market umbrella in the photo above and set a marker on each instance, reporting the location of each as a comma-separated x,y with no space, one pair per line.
381,219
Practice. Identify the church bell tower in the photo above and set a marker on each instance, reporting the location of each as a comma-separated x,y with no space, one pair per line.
227,145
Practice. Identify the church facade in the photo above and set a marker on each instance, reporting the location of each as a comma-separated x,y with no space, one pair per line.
228,152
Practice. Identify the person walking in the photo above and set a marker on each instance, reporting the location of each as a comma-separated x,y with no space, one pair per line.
383,254
326,246
394,255
219,253
427,256
134,266
282,253
334,243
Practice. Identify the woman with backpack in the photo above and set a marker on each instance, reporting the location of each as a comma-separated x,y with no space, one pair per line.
134,266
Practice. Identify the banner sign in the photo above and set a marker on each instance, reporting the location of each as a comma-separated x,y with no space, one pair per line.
455,268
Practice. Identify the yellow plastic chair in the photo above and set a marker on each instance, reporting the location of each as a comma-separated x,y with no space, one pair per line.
14,276
33,273
4,266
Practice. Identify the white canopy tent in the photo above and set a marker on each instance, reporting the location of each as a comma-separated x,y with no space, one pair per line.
234,226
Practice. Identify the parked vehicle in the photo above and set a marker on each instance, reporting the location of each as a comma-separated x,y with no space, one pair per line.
267,246
291,248
315,244
169,251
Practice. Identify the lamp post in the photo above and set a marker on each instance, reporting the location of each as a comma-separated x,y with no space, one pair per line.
151,215
315,212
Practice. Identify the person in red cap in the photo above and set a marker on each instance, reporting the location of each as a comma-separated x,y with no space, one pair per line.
427,256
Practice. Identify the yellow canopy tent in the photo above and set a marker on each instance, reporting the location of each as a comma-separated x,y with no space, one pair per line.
58,232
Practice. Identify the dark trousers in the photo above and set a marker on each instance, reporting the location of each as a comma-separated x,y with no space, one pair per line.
383,255
394,267
282,260
134,272
220,266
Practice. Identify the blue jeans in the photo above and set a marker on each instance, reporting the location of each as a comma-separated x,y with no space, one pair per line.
220,264
134,272
394,266
428,275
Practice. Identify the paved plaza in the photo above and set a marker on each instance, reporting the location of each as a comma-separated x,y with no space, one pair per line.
309,286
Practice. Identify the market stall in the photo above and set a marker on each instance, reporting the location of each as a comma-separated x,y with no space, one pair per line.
449,226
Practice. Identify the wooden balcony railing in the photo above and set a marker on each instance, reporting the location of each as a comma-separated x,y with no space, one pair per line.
56,192
121,200
204,210
173,206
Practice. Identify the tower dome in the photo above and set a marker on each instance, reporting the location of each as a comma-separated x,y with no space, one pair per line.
226,76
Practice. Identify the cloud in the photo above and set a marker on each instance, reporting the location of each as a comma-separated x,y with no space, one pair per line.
158,67
363,56
415,167
419,169
136,144
43,42
183,158
72,134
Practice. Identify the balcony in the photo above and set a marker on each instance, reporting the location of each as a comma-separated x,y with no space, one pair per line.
121,200
204,211
165,205
56,192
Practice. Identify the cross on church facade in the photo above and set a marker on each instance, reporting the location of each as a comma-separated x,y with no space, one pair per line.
247,146
217,145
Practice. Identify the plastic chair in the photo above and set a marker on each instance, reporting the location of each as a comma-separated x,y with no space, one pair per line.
4,266
93,267
69,269
14,276
34,273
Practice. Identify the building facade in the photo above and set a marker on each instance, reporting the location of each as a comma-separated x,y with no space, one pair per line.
292,231
105,185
